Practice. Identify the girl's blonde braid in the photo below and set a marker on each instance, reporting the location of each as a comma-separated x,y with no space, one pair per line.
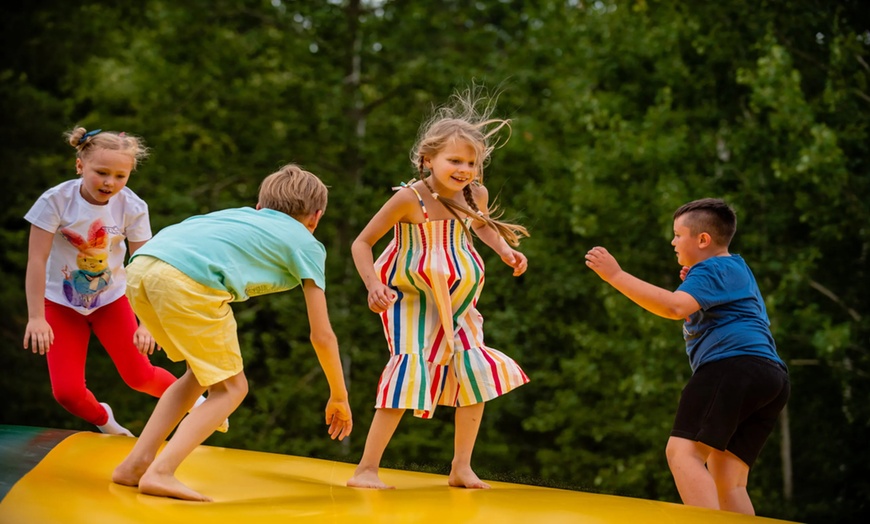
451,206
469,198
510,232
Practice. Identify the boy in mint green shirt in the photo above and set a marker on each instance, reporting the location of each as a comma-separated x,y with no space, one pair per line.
181,288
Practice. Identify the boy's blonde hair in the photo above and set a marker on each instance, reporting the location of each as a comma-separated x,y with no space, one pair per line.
293,191
86,142
465,121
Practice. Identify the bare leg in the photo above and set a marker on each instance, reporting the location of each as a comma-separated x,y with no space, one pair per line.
170,409
731,475
687,460
467,426
224,397
384,424
225,425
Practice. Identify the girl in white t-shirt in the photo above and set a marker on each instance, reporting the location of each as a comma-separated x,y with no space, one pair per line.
75,279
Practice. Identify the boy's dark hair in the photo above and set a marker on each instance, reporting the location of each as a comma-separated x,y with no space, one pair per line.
712,216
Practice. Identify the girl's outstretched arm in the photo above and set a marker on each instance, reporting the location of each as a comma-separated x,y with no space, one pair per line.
397,209
38,333
491,238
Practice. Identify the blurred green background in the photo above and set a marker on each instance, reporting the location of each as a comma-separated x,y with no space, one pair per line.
621,111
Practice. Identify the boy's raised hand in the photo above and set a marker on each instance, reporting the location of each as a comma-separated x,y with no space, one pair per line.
683,272
602,262
338,418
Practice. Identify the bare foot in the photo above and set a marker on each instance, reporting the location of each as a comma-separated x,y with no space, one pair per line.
168,486
466,478
128,473
367,479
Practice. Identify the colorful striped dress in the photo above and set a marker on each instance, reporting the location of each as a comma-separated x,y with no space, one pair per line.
433,330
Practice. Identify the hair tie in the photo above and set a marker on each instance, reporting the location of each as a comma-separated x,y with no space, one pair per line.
404,184
88,135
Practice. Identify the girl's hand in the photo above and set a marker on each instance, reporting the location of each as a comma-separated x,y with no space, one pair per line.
516,260
683,272
381,297
39,335
599,260
143,341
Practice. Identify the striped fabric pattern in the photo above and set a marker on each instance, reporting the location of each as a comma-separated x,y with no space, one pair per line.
433,330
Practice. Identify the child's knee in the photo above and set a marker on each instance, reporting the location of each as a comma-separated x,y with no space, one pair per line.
68,397
138,380
241,389
676,450
680,451
237,387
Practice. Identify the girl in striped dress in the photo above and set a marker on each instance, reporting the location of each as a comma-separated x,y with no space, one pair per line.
426,284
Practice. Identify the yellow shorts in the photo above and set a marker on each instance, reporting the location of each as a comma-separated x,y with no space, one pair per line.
190,321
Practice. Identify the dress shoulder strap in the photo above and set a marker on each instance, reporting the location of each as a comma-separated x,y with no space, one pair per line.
410,186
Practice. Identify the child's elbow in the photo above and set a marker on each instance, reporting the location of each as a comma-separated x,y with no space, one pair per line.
323,339
360,244
673,314
681,305
679,311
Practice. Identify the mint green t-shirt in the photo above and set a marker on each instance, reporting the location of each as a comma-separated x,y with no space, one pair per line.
241,250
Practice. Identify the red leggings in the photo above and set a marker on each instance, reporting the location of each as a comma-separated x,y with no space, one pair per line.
114,324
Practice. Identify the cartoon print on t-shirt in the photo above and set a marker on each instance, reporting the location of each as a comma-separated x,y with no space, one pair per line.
83,286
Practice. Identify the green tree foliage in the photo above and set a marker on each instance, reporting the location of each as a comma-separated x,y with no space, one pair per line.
621,111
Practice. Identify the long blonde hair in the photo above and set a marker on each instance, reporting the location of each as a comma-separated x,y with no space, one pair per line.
467,119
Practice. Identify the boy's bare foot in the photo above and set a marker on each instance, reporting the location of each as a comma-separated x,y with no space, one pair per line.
466,478
367,479
168,486
128,474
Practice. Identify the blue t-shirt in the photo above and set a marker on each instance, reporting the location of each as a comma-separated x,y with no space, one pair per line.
242,250
732,320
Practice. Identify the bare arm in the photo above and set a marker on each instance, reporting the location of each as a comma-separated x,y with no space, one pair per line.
142,338
395,210
491,238
38,333
134,246
338,415
668,304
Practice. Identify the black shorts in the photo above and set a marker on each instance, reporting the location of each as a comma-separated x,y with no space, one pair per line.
733,404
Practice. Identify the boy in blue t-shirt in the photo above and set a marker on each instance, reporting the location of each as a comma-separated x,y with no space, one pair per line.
739,384
181,284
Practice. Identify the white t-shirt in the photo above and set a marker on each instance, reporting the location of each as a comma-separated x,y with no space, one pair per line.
86,265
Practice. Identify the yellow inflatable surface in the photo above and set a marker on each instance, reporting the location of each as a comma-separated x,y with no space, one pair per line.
69,482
